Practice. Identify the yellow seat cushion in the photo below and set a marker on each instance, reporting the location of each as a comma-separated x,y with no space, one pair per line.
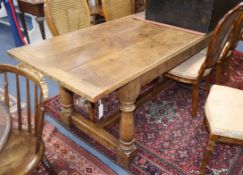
224,111
190,68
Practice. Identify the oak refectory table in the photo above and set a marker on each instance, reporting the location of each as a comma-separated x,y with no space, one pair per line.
121,56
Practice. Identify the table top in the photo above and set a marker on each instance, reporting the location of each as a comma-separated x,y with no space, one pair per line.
5,125
95,61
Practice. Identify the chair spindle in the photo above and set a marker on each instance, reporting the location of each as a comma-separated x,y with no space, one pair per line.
6,94
18,103
28,105
36,108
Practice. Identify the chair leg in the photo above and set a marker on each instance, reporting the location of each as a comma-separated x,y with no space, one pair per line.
205,121
155,87
207,84
47,165
207,155
195,94
219,72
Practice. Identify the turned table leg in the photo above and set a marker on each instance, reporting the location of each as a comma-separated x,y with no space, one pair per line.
66,98
126,148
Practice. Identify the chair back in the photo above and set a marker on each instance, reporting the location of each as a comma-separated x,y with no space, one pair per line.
237,34
114,9
28,118
66,15
222,37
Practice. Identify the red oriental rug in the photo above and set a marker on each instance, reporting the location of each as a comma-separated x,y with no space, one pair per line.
168,139
68,158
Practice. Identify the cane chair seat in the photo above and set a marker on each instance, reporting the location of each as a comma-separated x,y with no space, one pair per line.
190,68
23,159
224,111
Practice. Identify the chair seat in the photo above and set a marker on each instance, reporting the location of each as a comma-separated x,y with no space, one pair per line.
224,111
190,68
18,157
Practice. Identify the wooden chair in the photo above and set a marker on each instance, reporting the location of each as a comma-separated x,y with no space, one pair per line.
24,148
224,118
65,16
114,9
199,66
236,37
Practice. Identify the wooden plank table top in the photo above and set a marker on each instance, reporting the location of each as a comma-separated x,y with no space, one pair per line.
5,125
95,61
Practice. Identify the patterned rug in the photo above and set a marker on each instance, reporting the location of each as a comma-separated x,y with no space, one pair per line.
67,157
168,139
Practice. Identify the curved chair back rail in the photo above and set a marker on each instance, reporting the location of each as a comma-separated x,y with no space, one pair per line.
66,16
114,9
